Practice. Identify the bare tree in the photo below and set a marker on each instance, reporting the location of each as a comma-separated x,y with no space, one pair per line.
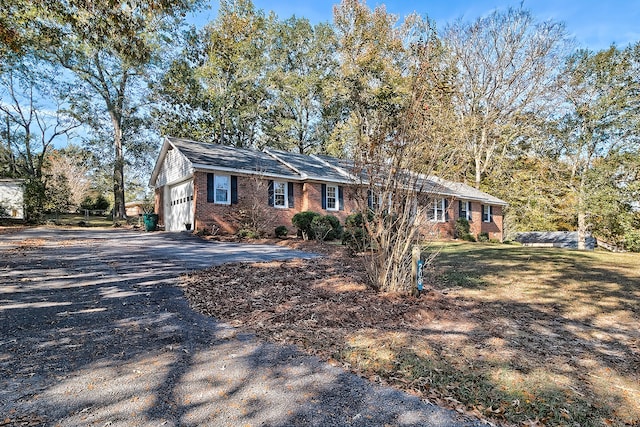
505,64
76,174
399,104
32,127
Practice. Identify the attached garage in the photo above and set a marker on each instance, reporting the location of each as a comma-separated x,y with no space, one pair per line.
179,206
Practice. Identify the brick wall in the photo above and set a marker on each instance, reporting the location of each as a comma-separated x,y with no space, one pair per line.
312,201
252,208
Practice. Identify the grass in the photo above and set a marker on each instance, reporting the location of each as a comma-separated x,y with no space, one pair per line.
514,335
553,333
78,219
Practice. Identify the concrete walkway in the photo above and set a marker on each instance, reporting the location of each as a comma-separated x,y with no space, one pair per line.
94,331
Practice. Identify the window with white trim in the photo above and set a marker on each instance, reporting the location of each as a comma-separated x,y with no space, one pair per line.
437,212
221,185
332,198
465,210
280,196
487,214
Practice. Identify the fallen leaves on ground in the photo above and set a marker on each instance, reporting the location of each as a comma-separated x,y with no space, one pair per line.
506,363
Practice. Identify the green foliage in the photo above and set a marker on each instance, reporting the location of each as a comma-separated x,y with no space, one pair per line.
483,236
99,204
468,237
355,235
326,227
303,220
248,234
281,231
462,227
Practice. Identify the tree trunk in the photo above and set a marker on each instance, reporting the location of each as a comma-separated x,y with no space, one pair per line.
119,211
582,216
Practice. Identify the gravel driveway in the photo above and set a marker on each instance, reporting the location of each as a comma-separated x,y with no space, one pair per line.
94,331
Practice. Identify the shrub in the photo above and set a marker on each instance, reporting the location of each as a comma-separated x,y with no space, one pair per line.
462,228
468,237
303,220
248,234
355,236
281,231
326,227
483,237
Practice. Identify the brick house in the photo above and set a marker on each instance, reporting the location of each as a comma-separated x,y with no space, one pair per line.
216,186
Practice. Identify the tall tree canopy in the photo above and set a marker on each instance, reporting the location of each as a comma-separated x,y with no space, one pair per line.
505,65
106,47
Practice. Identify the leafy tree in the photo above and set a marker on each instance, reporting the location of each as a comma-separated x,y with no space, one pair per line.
598,122
182,106
395,93
35,110
233,72
108,47
301,72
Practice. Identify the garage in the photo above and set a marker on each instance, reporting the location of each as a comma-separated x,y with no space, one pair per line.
179,206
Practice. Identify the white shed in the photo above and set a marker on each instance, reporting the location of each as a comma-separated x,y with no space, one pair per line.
12,198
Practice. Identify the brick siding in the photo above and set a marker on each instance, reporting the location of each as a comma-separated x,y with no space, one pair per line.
253,207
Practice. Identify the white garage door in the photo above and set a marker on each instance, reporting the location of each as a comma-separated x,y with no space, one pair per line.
180,206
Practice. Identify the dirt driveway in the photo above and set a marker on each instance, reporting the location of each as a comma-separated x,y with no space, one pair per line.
94,331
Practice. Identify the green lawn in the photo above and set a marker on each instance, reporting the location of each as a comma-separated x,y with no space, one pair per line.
545,333
76,219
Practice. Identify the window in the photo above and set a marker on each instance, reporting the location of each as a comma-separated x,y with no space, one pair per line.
332,198
487,214
222,192
280,194
465,210
437,212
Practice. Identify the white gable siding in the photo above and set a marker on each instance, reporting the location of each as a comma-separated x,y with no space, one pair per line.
175,168
12,198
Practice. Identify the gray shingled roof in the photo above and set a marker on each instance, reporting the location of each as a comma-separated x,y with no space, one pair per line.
223,156
462,191
309,166
300,167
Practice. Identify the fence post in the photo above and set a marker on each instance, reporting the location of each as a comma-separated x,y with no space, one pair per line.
416,270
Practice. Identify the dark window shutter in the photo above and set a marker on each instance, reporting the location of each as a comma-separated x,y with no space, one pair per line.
340,198
290,193
446,210
211,197
490,213
370,199
460,209
234,189
270,192
469,211
482,212
323,193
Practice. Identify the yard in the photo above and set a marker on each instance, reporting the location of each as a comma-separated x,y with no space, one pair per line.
513,335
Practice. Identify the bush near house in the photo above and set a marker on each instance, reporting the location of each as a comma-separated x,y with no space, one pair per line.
355,237
302,221
281,231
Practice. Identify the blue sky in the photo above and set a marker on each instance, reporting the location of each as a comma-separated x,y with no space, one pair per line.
594,24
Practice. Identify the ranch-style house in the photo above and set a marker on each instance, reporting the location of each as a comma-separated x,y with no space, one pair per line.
209,186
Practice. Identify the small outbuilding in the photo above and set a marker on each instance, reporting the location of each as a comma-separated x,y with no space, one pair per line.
553,239
12,198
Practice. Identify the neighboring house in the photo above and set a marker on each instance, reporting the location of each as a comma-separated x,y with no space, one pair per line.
210,185
12,198
135,208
